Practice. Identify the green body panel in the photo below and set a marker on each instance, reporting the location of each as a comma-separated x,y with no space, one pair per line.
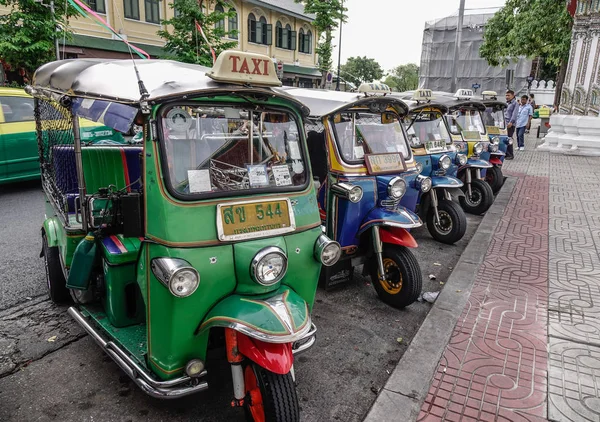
132,244
102,167
122,288
132,338
256,314
53,230
83,263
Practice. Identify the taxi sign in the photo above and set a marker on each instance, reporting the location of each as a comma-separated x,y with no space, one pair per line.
244,68
422,95
374,88
464,94
489,94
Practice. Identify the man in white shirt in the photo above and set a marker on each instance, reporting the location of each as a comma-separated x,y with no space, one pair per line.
524,116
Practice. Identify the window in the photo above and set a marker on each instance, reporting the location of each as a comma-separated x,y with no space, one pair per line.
220,24
595,98
285,37
17,109
305,42
131,9
152,11
233,24
259,31
97,5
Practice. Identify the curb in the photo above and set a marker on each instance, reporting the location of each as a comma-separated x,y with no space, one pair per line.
405,391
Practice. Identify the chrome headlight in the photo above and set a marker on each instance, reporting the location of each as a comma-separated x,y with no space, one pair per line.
461,159
268,266
424,183
177,275
327,251
478,148
419,167
445,162
396,188
348,191
495,140
493,148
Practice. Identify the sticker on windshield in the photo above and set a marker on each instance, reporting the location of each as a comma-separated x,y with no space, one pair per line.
257,175
437,136
199,181
294,150
178,120
281,174
359,152
411,130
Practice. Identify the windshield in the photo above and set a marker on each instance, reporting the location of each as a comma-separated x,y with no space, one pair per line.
493,117
217,149
360,133
467,121
426,127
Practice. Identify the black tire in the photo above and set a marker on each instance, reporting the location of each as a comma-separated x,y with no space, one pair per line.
55,278
278,394
482,198
494,178
453,222
404,270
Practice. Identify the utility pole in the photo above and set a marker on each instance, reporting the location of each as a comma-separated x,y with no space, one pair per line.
337,84
55,29
461,16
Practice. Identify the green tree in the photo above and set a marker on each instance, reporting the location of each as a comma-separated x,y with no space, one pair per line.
532,28
185,43
27,33
327,18
403,78
361,69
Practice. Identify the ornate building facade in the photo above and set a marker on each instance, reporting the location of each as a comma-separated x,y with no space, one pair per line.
581,90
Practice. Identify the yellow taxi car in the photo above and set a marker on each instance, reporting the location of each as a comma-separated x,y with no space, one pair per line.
18,142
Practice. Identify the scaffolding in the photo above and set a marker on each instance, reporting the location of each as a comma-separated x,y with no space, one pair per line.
437,55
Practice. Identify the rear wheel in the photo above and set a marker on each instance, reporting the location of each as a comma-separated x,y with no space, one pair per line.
481,198
494,178
403,282
452,224
55,278
269,397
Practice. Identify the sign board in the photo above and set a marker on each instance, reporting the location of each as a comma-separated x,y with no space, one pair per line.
374,88
280,69
244,68
475,86
328,80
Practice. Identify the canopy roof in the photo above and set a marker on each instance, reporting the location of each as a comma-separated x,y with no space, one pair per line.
496,104
115,80
450,101
324,103
415,106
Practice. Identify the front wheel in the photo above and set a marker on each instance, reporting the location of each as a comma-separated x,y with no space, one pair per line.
494,178
269,397
452,224
55,278
403,282
481,198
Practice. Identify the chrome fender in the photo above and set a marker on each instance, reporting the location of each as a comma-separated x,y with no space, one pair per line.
399,217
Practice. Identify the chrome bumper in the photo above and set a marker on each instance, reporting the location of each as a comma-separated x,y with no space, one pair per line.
305,342
171,389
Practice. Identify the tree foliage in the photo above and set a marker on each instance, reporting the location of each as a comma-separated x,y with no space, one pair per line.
529,28
361,69
403,78
27,33
328,14
185,43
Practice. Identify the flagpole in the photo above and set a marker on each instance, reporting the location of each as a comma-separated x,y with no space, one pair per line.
337,84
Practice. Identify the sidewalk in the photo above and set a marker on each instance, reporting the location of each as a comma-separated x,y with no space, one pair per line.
526,346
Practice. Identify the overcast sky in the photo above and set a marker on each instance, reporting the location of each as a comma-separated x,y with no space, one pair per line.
391,31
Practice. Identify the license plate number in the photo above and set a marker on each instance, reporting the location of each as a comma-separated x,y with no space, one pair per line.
254,219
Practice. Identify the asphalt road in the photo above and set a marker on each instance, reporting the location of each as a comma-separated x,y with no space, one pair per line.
359,342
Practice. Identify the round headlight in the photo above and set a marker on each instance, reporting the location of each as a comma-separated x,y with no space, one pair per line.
495,140
356,194
478,148
396,188
493,147
327,251
462,159
419,167
268,266
184,282
445,162
194,368
424,183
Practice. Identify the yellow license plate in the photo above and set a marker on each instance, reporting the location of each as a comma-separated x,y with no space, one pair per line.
254,219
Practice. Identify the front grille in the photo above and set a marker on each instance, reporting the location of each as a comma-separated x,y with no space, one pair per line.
390,204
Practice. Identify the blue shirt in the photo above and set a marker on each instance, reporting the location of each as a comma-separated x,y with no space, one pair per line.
523,115
510,114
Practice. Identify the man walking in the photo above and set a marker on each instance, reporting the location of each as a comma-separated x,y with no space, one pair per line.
510,117
533,107
524,115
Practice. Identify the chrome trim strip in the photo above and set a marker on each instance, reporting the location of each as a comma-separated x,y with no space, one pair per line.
141,377
268,338
448,186
307,342
478,166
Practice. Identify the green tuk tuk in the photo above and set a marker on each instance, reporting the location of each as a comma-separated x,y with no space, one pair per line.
206,235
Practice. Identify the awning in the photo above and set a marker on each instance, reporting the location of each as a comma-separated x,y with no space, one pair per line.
302,70
111,45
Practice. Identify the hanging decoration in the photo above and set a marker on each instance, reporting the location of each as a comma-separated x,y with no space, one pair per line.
212,51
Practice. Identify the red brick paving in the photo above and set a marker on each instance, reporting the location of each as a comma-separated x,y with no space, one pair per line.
495,365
